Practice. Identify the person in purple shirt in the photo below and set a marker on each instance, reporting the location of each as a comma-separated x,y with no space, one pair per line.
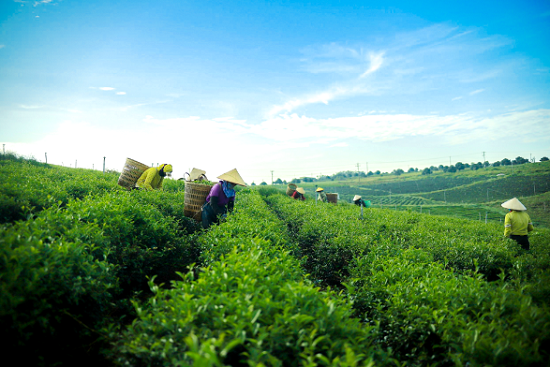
221,198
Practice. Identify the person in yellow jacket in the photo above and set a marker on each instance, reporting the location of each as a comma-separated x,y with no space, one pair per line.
152,178
517,223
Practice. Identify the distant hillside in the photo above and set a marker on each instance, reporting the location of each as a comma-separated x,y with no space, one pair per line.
472,194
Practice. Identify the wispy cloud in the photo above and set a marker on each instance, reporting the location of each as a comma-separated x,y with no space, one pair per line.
40,2
477,91
457,98
376,60
106,88
426,59
2,46
121,93
27,107
339,145
126,108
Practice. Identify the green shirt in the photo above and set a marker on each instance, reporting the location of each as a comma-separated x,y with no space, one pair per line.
517,223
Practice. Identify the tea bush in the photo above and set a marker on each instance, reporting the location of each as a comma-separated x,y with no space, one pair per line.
250,306
431,316
55,296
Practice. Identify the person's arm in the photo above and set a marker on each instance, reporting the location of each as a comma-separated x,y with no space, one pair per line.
507,226
530,225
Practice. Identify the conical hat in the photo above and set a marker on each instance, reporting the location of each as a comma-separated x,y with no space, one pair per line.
195,174
233,177
320,189
301,190
356,197
514,204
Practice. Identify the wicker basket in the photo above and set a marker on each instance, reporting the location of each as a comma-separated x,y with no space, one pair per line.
195,196
131,173
290,189
332,198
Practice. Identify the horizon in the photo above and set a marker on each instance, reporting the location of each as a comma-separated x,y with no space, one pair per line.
295,88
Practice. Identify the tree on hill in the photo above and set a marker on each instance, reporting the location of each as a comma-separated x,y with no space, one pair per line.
295,181
452,169
252,184
506,162
427,171
544,159
397,172
263,183
496,164
459,166
410,170
520,160
377,172
278,182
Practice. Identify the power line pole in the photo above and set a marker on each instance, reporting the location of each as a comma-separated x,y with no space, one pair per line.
104,165
272,177
46,154
358,172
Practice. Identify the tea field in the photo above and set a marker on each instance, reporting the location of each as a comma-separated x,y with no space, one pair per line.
465,194
93,274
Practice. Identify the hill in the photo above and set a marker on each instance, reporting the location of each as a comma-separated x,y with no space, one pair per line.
472,194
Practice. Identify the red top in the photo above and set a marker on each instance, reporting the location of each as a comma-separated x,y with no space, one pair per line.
297,195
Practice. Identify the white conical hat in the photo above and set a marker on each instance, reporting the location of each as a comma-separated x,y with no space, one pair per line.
514,204
233,177
195,174
301,190
356,197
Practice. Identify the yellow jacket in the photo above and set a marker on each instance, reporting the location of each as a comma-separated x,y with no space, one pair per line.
151,179
517,223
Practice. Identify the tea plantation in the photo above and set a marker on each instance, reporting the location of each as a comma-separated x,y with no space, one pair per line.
93,274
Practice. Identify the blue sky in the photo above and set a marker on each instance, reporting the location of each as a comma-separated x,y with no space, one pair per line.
297,88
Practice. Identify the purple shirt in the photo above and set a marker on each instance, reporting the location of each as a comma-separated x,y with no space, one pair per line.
218,191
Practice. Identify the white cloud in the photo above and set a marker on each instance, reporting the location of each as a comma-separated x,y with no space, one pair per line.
27,107
376,61
106,88
42,2
120,93
477,91
457,98
126,108
339,145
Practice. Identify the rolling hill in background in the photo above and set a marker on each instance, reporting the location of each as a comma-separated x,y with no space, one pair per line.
471,194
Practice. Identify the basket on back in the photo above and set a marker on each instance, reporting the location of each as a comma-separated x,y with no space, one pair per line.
332,198
290,189
195,196
131,173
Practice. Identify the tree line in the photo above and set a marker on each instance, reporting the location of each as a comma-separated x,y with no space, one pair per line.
459,166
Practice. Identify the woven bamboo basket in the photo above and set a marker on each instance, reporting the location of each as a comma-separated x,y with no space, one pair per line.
195,196
290,189
332,198
130,173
